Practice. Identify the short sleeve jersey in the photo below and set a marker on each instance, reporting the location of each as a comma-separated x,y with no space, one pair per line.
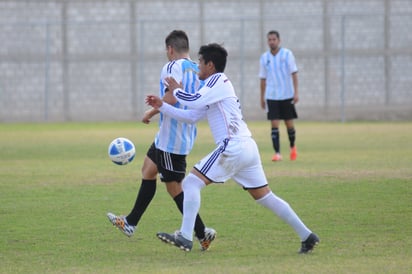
277,70
174,136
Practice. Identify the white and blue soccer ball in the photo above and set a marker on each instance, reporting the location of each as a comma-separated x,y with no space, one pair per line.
121,151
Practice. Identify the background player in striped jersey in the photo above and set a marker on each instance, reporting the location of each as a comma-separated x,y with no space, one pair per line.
279,91
236,155
173,141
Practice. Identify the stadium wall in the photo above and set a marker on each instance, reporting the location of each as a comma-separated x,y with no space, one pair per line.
96,60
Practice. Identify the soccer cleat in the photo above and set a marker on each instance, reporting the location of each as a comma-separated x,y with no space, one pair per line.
293,153
277,157
210,235
121,223
176,239
309,244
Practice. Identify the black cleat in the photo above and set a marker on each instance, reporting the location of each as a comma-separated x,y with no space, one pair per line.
176,239
309,244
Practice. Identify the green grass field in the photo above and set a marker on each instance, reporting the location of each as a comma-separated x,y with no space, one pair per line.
351,184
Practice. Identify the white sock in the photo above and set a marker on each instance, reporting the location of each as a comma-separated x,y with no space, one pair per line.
286,213
192,185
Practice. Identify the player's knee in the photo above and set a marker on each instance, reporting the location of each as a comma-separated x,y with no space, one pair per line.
192,181
173,188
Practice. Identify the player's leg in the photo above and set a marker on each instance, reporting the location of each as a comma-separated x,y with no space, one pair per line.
285,212
253,179
289,114
172,177
183,239
192,185
290,127
275,135
147,190
274,116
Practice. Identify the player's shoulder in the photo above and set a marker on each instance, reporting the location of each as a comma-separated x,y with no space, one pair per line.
178,65
265,54
169,66
287,51
217,79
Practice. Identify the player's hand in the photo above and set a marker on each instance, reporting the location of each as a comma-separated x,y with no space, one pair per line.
154,101
295,99
147,116
172,84
262,104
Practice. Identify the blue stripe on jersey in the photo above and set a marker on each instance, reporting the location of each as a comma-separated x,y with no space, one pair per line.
288,80
187,97
181,136
277,70
172,135
169,66
213,80
212,159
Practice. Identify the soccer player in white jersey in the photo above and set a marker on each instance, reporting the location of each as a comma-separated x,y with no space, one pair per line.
173,141
278,75
236,154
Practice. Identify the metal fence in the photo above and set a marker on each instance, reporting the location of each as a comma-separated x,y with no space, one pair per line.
97,60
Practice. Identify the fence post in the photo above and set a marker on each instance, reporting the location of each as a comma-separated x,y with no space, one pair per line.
46,71
343,76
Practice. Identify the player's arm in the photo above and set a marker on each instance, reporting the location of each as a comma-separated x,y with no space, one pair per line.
197,100
174,71
169,97
185,115
262,93
149,114
295,87
262,76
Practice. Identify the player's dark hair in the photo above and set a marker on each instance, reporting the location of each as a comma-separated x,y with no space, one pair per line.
274,32
178,40
216,54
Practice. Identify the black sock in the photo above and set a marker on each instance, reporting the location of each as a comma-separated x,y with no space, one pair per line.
199,225
144,197
275,139
292,136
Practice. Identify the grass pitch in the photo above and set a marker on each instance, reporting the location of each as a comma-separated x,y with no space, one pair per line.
351,184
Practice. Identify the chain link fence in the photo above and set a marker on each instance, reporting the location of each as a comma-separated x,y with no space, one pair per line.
96,60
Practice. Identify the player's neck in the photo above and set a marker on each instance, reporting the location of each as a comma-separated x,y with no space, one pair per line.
182,56
275,51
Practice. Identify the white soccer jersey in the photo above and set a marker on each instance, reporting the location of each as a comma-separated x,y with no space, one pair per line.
277,70
175,136
236,155
217,97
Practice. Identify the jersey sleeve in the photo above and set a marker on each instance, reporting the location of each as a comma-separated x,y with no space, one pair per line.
171,69
184,115
262,67
292,63
215,89
176,72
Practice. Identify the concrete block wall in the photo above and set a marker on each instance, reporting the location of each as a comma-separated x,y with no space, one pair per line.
96,60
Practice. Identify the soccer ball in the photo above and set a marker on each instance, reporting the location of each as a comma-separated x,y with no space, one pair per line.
121,151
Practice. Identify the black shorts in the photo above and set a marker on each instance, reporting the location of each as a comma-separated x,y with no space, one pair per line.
281,109
171,167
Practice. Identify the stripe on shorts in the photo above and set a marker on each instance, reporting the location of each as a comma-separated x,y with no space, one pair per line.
168,161
215,155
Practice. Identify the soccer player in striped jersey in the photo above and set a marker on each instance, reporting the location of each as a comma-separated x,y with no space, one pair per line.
236,155
279,91
173,141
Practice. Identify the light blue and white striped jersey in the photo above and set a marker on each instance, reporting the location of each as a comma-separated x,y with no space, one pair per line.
277,70
174,136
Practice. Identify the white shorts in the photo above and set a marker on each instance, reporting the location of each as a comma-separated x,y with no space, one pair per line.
236,159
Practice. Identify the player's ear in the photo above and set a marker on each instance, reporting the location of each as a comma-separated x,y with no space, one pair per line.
211,66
